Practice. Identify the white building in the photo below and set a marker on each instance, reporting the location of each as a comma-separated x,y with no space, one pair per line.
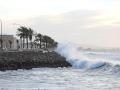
7,40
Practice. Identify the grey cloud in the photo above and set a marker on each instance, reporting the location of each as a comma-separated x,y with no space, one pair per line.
74,26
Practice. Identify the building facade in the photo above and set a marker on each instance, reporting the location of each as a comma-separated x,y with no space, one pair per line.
8,42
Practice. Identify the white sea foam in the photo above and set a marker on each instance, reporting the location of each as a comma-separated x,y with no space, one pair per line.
86,58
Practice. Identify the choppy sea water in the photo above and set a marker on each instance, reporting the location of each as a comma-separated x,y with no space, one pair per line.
91,70
59,79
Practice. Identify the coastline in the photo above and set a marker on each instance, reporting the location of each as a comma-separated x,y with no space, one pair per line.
13,60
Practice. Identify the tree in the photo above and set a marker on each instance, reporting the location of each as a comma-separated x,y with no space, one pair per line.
38,38
46,40
55,44
35,44
31,32
10,43
26,35
22,33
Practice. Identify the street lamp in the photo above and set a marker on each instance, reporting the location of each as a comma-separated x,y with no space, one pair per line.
1,34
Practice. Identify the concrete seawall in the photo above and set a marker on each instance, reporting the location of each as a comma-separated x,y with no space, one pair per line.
30,59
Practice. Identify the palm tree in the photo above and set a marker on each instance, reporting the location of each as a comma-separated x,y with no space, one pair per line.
53,43
27,36
46,40
35,44
31,32
21,34
38,38
27,33
1,41
10,42
49,42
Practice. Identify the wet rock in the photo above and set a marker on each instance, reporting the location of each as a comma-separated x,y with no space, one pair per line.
31,59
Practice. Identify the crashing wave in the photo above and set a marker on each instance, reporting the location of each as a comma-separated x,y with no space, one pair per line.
85,59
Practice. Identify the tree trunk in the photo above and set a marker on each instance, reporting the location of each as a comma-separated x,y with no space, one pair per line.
40,44
31,44
46,45
27,42
23,42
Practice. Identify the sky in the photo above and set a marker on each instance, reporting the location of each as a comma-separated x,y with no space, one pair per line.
85,22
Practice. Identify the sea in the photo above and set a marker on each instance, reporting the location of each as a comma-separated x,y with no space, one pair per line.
91,70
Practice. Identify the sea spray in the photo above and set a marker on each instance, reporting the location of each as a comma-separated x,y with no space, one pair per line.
84,59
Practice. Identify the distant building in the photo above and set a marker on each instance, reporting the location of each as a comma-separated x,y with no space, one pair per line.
9,41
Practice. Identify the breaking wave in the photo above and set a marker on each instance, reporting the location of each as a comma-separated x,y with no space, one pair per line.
90,59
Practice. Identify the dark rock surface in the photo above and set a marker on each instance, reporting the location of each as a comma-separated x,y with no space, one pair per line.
30,59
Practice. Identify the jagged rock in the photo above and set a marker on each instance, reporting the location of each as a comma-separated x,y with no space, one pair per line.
31,59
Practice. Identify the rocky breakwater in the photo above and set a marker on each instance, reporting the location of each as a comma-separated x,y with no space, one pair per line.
30,59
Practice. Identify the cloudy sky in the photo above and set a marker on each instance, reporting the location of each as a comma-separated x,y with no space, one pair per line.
86,22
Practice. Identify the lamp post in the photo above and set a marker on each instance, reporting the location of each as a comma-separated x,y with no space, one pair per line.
1,34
